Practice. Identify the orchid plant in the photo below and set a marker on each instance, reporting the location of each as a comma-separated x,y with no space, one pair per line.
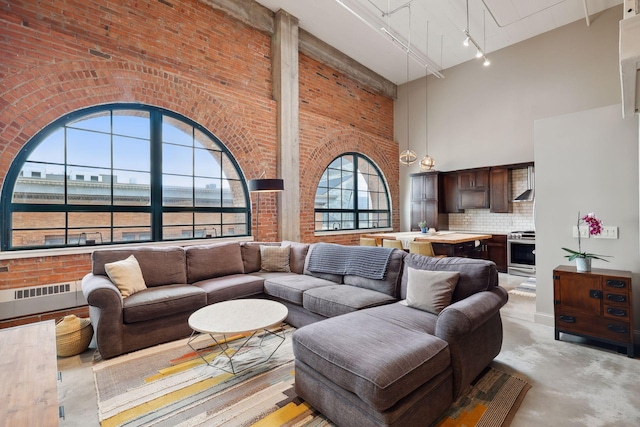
595,228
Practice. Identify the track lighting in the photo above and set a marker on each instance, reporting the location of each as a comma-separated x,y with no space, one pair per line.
486,62
478,54
466,42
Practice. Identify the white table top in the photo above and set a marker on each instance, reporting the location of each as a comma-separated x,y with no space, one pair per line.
238,316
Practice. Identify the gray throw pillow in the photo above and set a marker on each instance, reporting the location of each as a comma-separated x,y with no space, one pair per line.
275,258
430,291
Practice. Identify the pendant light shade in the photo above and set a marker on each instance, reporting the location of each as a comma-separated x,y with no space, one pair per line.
408,157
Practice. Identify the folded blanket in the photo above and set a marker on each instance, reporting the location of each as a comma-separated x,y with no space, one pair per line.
365,261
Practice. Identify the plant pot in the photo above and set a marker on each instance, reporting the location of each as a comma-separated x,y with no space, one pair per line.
583,264
423,230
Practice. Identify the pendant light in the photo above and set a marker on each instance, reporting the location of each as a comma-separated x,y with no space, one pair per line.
408,156
427,163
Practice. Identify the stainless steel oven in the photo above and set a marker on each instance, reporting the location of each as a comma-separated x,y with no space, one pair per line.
521,253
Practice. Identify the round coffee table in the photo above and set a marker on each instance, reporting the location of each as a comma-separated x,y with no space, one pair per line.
242,316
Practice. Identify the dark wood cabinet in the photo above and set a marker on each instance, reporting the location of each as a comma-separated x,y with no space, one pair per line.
424,201
473,189
449,197
499,190
596,305
496,249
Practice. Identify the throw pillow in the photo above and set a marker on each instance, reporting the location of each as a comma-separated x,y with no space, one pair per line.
275,258
126,275
430,290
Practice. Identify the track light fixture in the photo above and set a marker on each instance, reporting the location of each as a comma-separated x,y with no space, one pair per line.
465,43
486,62
480,52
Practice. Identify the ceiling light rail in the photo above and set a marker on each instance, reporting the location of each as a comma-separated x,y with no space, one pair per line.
368,18
480,52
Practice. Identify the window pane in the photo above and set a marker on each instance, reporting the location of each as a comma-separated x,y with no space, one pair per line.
89,219
363,200
177,159
203,141
177,218
131,219
229,171
34,220
131,188
177,190
206,218
137,234
86,148
51,150
131,123
233,194
39,183
131,154
178,232
25,238
208,163
208,192
176,131
98,122
82,189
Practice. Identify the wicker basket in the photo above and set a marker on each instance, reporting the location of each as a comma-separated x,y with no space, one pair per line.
73,335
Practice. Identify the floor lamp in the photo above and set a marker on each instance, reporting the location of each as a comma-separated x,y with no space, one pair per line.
263,186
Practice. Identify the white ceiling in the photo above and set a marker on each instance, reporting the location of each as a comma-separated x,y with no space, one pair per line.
506,22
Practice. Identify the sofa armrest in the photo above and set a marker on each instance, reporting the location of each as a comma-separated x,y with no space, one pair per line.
99,291
465,315
473,329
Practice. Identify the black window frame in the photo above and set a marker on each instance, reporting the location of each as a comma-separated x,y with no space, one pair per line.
155,208
356,211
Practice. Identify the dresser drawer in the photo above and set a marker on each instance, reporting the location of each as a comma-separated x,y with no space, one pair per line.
615,298
617,285
614,312
600,327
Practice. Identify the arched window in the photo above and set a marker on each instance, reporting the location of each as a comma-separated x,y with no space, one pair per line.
352,195
122,173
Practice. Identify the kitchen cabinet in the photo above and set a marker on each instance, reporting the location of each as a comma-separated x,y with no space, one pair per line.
424,201
496,250
473,189
499,190
449,197
595,304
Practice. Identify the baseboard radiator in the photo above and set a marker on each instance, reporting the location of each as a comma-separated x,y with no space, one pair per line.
19,302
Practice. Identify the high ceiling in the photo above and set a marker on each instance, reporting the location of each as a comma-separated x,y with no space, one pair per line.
493,24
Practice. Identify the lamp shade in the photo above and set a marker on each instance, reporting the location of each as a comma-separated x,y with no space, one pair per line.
266,185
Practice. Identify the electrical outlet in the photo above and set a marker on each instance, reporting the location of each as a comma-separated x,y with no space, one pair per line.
584,231
608,232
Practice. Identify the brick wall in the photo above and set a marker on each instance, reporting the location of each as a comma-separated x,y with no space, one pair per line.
58,57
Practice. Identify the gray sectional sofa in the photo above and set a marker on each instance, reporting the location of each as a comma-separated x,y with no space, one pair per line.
363,357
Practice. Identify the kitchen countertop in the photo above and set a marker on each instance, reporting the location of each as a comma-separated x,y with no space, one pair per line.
446,237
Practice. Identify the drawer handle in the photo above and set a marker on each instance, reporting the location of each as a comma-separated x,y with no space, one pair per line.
595,294
616,298
616,283
621,329
617,312
568,319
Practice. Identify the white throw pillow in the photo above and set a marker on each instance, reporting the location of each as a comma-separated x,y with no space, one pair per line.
275,258
430,290
126,275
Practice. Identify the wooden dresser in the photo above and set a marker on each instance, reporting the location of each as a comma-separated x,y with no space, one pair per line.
29,366
596,305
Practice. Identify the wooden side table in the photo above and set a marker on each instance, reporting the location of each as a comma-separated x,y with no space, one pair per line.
28,363
596,304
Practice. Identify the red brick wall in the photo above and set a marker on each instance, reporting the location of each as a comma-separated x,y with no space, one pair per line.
58,57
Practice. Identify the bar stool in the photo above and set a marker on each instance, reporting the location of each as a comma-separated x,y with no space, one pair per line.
388,243
423,248
368,241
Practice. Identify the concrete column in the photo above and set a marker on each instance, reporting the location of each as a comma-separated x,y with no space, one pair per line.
285,91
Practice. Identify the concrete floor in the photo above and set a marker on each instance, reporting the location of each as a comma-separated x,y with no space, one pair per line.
573,384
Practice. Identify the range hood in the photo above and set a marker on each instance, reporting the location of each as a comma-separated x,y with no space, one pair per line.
528,195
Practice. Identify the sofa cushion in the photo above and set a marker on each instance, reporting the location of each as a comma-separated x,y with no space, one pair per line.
390,285
216,260
405,317
476,275
163,265
298,255
162,301
292,287
251,255
230,287
335,300
381,362
275,259
126,275
337,278
430,291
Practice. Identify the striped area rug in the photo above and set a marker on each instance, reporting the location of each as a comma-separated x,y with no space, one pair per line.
169,385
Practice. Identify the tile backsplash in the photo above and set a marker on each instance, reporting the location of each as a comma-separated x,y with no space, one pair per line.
520,216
